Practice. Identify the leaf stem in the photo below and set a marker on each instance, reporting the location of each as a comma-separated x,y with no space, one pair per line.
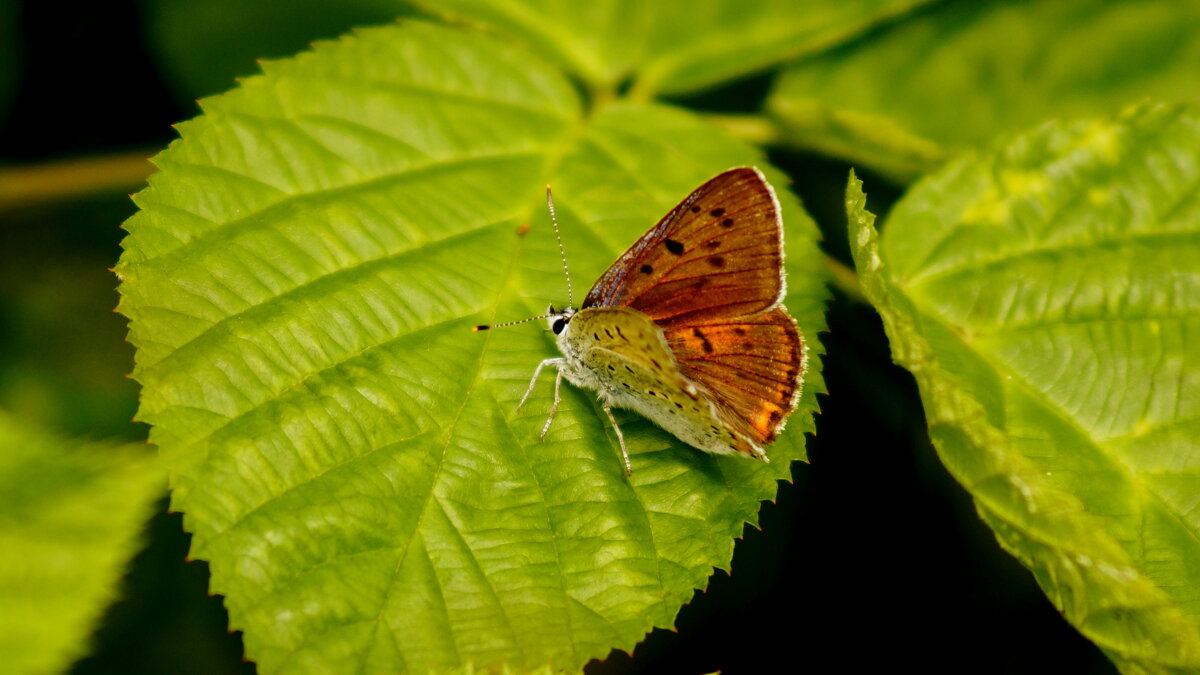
754,129
75,177
845,279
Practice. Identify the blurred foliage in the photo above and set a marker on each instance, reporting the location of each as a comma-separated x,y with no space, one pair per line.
673,48
204,45
982,69
65,355
71,516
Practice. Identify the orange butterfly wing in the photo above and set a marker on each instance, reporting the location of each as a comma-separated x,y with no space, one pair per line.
710,275
751,365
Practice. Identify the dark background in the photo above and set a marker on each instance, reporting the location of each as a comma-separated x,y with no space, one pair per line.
873,559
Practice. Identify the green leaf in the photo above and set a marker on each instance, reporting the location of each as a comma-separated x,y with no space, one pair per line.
674,47
1045,295
959,74
71,516
301,283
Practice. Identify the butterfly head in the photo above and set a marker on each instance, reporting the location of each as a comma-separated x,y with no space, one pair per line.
558,319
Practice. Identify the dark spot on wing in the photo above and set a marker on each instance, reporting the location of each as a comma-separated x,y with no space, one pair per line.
622,334
610,367
700,283
717,213
646,269
712,244
775,415
695,209
704,342
596,335
679,405
728,222
739,331
674,246
716,261
608,332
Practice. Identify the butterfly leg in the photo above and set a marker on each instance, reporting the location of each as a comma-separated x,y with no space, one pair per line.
553,406
557,363
620,438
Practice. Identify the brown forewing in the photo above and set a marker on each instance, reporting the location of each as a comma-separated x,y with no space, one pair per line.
716,255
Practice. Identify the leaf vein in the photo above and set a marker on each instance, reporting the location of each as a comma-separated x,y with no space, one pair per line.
253,218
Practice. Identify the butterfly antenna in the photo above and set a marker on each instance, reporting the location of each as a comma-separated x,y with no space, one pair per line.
489,326
561,251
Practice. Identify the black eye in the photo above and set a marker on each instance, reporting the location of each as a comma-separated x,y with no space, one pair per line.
558,326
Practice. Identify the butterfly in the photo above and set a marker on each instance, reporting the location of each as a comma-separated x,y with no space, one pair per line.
687,327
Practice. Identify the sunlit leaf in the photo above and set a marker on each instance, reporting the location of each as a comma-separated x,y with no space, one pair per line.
1046,295
302,280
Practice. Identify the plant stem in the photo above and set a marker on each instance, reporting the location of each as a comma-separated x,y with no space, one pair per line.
845,279
754,129
71,178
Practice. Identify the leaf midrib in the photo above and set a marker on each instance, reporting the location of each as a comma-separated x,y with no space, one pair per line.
592,72
251,220
503,289
1066,202
147,372
971,267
